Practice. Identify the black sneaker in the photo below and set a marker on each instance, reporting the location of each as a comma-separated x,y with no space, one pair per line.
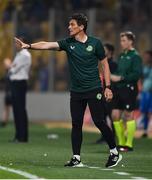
74,162
3,124
113,160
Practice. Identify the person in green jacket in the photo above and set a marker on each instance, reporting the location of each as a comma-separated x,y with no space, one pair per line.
125,91
84,54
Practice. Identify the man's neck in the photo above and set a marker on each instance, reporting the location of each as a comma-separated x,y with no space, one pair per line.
81,37
129,49
109,57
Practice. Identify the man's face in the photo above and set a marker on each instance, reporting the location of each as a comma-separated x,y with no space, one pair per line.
107,52
17,46
125,43
74,28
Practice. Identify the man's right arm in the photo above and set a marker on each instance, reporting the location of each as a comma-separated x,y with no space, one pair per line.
42,45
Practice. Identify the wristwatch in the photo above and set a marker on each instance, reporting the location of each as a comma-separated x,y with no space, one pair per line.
29,46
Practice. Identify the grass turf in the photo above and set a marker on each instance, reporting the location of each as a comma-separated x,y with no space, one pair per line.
45,157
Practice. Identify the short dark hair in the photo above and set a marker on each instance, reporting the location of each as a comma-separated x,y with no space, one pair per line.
22,38
110,47
81,19
130,35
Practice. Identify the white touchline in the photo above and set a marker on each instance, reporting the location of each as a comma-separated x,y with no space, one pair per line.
22,173
102,169
141,178
122,173
115,172
32,176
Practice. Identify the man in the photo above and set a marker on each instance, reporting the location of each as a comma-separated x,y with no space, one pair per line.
146,94
8,94
83,54
19,74
109,51
125,91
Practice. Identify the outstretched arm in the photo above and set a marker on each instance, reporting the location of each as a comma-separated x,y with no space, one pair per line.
42,45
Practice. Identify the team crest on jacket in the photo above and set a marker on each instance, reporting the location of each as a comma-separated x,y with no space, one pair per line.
89,48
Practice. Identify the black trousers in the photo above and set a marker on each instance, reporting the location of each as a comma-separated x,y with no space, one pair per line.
19,89
78,105
108,113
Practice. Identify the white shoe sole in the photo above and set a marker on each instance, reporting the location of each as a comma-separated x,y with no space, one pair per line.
79,165
120,158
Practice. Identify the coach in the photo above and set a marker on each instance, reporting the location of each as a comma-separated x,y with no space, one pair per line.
19,74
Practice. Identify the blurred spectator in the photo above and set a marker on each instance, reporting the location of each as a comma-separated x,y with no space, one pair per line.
8,94
146,95
61,73
109,50
34,23
43,75
19,74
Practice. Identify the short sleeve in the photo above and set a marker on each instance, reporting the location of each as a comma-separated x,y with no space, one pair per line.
62,44
136,70
100,52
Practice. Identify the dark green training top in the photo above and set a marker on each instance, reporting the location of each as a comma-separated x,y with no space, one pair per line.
130,67
83,62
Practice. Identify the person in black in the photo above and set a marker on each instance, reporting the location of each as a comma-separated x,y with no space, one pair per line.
109,51
125,81
8,94
84,53
19,75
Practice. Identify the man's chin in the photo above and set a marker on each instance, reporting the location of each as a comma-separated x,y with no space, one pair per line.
72,34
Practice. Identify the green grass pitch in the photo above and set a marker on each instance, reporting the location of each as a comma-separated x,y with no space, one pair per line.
46,157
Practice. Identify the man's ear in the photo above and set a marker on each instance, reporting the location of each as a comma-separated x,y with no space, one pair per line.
82,27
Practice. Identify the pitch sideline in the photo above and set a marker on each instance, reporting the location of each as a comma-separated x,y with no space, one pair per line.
19,172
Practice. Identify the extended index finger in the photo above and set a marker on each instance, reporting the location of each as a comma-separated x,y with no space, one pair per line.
17,40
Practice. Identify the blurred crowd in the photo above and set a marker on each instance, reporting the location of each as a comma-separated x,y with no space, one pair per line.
32,20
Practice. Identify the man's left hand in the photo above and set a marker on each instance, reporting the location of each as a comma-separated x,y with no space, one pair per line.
108,94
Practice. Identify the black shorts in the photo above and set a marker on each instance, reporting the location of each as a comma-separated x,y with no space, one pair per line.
79,101
8,99
92,94
125,98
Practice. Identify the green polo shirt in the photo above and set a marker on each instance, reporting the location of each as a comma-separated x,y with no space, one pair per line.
130,67
83,62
